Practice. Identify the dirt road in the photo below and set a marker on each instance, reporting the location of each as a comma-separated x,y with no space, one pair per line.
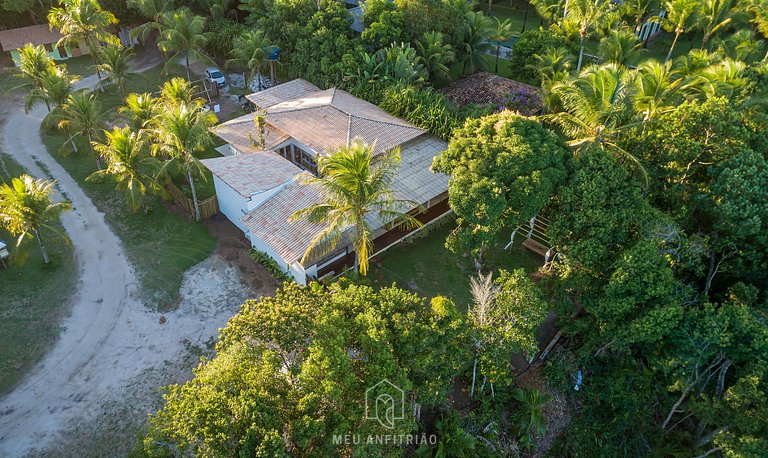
110,338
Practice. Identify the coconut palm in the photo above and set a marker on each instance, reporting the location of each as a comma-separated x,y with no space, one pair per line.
178,134
115,61
250,53
353,186
532,423
129,164
723,79
501,31
34,62
83,21
178,91
621,47
477,29
638,10
436,55
182,35
596,108
218,9
140,110
53,89
658,86
681,15
758,11
586,16
153,10
26,208
81,115
715,15
554,66
549,10
740,45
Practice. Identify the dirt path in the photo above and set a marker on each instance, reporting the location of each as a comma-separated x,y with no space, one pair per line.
110,338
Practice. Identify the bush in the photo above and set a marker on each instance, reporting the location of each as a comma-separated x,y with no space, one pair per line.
223,34
424,108
270,264
523,64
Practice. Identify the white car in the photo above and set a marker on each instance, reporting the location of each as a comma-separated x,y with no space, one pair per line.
215,76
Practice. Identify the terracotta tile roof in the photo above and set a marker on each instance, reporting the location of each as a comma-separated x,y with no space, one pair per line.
269,222
241,133
35,34
253,172
287,91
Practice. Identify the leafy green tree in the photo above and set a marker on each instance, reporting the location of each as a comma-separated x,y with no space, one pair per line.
586,15
129,164
502,31
478,28
436,55
115,62
383,24
291,371
83,22
621,47
26,208
353,186
250,52
82,115
183,33
758,11
179,133
503,169
681,15
523,64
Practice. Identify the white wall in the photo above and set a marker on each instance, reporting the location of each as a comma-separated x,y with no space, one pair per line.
231,204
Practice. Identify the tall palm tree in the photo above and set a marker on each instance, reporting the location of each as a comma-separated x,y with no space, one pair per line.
597,107
83,21
140,110
219,9
638,10
477,30
178,91
34,64
554,66
250,54
724,79
621,47
436,55
82,115
53,89
501,31
179,133
758,10
658,87
741,45
182,35
115,61
586,15
129,164
549,10
681,15
26,208
715,15
153,11
354,185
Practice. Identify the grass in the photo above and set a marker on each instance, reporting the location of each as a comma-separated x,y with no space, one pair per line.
161,244
33,297
81,66
425,263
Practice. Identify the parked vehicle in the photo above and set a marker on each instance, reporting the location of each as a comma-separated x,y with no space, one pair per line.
215,76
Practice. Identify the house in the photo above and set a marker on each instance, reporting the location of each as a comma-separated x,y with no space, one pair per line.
260,188
13,39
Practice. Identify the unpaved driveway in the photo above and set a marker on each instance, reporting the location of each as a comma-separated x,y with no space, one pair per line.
110,338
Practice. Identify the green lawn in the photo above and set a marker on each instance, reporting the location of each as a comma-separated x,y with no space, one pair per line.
161,244
81,66
34,296
433,270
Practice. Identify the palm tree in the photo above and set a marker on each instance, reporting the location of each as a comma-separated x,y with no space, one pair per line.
724,79
153,10
26,208
182,34
129,163
658,85
681,14
179,133
714,15
53,89
34,64
501,32
741,45
436,55
140,109
759,17
218,9
82,115
115,61
250,53
621,47
533,401
549,10
638,9
554,66
586,15
597,107
83,21
477,30
354,185
178,91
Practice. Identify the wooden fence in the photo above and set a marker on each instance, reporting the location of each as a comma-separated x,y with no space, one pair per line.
208,207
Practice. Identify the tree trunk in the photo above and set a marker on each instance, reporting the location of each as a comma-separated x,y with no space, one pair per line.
194,194
498,51
525,17
42,247
474,375
671,48
188,74
581,53
90,148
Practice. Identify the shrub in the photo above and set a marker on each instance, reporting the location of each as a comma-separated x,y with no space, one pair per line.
521,61
424,108
270,264
223,34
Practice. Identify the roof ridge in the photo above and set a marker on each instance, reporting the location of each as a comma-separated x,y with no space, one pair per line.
383,122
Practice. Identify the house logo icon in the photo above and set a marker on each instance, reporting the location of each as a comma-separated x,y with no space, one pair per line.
385,403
